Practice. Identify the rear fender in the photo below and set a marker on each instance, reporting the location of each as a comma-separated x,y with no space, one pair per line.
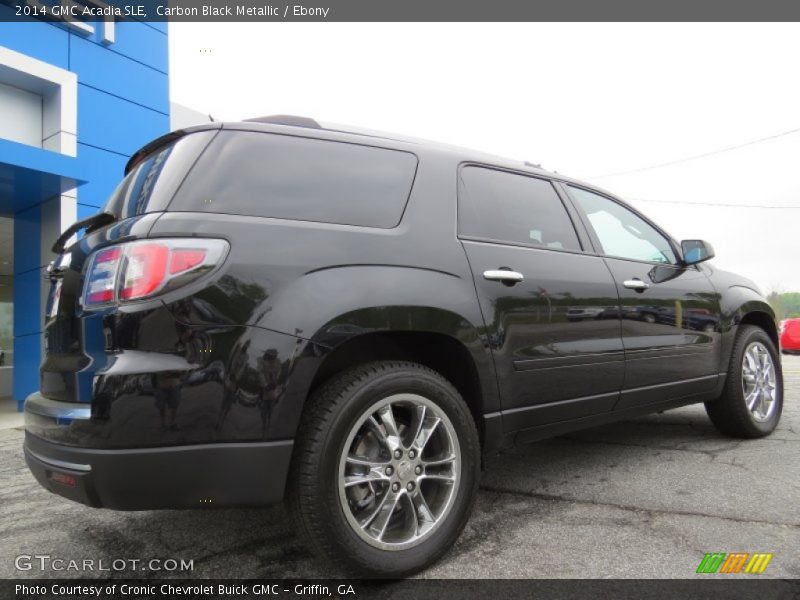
334,305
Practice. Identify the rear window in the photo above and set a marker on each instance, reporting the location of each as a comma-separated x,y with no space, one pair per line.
151,184
285,177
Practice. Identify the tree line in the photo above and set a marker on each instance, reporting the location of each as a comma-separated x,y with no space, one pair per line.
785,305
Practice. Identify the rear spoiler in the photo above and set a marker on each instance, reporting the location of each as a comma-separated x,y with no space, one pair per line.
165,140
290,120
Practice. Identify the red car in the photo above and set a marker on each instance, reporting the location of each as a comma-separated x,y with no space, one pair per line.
790,336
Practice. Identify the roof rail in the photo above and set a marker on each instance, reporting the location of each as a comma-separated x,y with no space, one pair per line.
291,120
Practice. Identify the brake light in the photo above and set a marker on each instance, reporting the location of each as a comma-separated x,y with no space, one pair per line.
145,271
137,270
102,279
183,260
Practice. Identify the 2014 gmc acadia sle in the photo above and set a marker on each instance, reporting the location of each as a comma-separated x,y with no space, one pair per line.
273,309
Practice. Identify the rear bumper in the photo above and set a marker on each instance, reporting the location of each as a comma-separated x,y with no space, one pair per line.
196,476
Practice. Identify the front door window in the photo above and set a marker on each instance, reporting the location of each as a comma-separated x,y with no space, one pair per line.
621,232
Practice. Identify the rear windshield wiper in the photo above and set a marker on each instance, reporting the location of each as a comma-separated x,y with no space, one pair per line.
90,224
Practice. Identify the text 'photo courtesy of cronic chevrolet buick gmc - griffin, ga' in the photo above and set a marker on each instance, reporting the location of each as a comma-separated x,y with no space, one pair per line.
273,310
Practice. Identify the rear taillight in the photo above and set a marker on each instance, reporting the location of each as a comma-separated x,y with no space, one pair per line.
145,271
103,276
184,259
137,270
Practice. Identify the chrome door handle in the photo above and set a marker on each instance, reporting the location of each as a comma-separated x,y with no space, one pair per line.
636,284
507,277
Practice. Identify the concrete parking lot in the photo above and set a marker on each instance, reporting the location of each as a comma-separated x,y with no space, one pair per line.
639,499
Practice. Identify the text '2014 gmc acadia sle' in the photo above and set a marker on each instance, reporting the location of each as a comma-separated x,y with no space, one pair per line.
272,309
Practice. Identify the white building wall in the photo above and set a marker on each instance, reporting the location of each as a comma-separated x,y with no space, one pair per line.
22,116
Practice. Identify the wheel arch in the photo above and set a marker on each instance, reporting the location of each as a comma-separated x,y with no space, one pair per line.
764,320
358,313
458,355
744,306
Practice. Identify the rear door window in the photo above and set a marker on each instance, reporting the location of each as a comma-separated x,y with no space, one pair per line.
286,177
499,206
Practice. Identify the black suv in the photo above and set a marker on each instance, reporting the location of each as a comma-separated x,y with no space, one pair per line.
273,309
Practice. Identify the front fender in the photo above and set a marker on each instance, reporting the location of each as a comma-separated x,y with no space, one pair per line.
738,302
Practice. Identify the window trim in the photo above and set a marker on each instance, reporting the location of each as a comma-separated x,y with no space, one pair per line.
598,246
583,242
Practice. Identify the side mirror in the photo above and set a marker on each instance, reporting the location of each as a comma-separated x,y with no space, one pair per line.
696,251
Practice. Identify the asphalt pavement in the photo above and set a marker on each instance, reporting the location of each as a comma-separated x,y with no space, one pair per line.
639,499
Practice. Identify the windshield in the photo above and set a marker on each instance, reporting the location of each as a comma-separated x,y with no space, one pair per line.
151,184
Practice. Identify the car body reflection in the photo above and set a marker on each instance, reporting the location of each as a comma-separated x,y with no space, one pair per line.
675,315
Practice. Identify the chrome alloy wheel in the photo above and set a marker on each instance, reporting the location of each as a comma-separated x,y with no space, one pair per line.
759,381
399,471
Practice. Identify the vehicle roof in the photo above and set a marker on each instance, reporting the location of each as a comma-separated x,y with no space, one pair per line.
305,127
309,128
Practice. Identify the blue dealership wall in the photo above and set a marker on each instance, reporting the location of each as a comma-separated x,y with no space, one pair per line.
123,102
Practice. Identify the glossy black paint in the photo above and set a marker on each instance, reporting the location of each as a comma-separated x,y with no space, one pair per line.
231,357
187,476
542,356
669,332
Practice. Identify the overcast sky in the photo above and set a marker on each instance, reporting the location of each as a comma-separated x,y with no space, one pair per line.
587,100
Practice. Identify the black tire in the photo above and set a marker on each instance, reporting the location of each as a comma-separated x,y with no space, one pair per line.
313,494
729,412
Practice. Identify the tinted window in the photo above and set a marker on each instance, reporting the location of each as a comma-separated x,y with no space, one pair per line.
284,177
150,185
516,209
621,232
